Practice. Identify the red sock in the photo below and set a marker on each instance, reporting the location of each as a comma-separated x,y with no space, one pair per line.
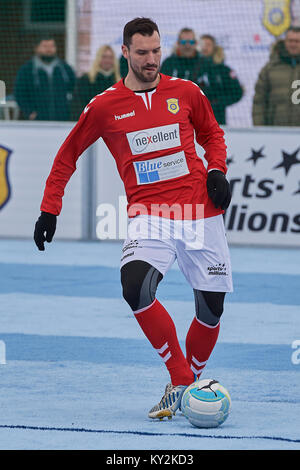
160,330
200,342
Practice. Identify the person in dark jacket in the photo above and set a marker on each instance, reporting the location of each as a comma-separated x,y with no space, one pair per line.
273,103
182,62
218,81
103,73
44,85
123,66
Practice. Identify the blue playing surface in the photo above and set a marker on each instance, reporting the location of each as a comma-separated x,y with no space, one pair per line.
80,374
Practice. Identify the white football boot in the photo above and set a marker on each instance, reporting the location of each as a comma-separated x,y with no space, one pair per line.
169,403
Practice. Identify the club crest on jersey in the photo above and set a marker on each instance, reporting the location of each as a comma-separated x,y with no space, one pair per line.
4,181
173,105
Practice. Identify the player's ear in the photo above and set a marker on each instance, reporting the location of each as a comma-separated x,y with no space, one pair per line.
125,51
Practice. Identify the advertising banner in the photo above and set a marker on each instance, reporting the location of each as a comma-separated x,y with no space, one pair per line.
264,172
27,151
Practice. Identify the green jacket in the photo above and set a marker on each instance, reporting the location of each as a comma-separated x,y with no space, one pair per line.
181,67
49,97
217,81
123,66
85,90
220,85
272,103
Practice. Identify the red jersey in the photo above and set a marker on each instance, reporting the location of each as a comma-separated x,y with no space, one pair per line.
151,135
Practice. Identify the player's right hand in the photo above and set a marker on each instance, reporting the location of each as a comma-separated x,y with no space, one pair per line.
44,229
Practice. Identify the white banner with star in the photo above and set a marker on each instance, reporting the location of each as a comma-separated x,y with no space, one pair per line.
263,170
264,173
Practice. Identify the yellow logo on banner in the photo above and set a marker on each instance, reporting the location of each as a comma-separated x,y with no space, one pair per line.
277,16
173,105
4,182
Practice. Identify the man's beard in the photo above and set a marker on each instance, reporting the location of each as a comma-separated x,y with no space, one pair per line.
141,77
47,58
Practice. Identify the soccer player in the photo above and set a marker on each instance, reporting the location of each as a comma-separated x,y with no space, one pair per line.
149,121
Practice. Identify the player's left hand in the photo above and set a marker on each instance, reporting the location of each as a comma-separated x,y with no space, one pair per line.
218,189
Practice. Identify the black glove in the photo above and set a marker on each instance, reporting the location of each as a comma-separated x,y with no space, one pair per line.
218,189
46,223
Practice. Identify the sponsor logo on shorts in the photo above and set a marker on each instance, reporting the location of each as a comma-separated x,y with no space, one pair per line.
132,245
218,269
161,169
126,256
154,139
129,246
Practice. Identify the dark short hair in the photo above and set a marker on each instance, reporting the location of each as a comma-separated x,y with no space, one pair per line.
44,37
144,26
294,29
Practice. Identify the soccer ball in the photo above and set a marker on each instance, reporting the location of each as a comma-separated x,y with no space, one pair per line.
206,403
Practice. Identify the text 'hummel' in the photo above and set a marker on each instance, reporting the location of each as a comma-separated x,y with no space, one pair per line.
123,116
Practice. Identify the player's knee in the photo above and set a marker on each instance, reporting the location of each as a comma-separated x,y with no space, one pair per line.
209,306
215,302
139,282
131,292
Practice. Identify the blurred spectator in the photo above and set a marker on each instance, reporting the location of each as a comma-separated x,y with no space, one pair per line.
182,62
44,84
272,104
123,66
217,80
103,73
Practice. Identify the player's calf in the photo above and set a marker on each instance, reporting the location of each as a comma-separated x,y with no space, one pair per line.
204,330
139,281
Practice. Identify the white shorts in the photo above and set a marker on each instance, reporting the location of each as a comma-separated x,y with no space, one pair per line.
200,247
